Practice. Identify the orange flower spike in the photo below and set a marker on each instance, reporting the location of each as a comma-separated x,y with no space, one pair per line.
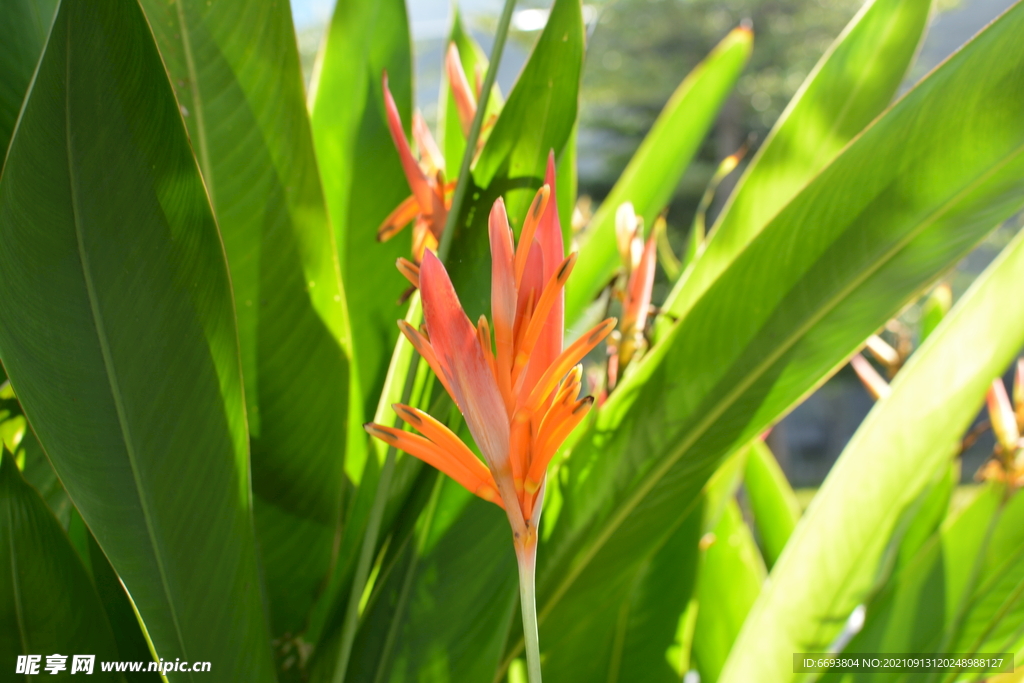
398,219
568,358
1000,414
465,101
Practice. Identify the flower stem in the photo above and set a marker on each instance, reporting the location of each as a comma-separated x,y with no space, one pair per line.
527,558
474,130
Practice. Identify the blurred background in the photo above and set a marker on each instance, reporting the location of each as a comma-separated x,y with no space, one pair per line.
638,51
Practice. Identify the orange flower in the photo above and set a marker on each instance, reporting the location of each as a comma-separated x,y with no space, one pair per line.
520,397
431,197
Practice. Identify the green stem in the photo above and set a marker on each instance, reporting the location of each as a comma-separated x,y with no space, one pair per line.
527,558
474,130
369,547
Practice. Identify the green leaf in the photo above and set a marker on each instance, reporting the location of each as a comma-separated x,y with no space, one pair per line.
449,131
48,604
935,308
830,561
443,604
772,502
730,580
119,336
362,175
632,626
540,112
652,175
852,83
963,591
538,118
235,69
22,36
905,201
131,641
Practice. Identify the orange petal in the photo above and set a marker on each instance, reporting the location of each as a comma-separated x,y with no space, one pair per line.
423,237
539,316
503,297
1018,393
638,295
413,173
409,270
429,152
549,446
403,214
570,357
533,218
1000,414
465,102
454,340
520,439
549,236
473,480
445,438
869,377
483,335
530,288
426,350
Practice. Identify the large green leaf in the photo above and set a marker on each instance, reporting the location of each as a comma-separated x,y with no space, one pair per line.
905,201
830,562
235,70
772,502
963,592
631,630
540,112
48,603
445,604
652,175
730,580
362,175
119,336
22,36
852,83
450,138
538,118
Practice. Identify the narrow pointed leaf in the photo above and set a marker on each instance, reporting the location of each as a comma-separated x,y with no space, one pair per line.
362,175
652,175
772,502
904,202
119,336
831,559
852,83
48,603
22,36
958,572
235,70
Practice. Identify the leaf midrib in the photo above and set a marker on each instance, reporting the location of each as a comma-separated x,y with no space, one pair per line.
712,416
101,336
